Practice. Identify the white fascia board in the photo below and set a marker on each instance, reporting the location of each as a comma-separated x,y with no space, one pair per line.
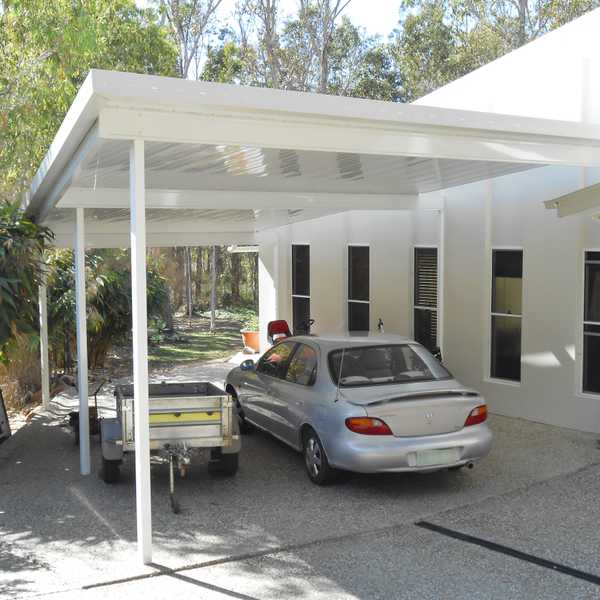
158,240
344,135
129,90
131,106
238,200
71,136
174,227
582,202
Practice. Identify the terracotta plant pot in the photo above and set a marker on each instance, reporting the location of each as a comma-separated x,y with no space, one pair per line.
251,339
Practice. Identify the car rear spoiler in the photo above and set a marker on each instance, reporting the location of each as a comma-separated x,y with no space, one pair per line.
416,395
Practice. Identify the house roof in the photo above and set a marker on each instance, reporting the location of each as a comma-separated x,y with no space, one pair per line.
270,157
556,76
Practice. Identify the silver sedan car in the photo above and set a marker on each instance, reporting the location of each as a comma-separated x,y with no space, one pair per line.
363,404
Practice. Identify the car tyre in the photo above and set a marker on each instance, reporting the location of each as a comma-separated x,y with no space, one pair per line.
244,426
317,466
110,470
221,464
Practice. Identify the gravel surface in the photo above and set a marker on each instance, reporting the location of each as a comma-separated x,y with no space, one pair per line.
282,537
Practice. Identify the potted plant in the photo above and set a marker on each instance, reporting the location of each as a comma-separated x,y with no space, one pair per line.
250,335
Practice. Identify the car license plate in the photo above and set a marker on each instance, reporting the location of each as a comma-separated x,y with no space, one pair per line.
443,456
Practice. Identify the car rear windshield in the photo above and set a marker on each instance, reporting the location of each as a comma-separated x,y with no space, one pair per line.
376,365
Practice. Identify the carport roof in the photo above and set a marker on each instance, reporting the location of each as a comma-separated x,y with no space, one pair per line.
268,157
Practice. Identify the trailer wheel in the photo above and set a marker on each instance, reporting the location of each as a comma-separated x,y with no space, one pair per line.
110,470
224,465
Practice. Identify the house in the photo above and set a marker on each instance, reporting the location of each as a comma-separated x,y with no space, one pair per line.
465,219
516,308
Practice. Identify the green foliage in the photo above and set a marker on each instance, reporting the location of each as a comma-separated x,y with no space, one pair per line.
21,247
247,317
224,63
46,51
439,41
362,66
197,345
108,287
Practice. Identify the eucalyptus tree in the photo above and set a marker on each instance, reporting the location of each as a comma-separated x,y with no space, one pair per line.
190,21
22,244
438,41
320,17
46,51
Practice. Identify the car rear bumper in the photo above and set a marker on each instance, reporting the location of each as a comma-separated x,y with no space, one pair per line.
380,454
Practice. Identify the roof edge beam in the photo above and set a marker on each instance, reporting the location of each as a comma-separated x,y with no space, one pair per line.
324,134
66,177
582,202
237,200
159,240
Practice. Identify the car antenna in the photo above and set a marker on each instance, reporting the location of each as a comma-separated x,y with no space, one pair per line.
337,391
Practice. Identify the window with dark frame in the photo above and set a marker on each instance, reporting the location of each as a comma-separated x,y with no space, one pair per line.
303,366
507,295
425,299
275,361
300,287
358,288
591,324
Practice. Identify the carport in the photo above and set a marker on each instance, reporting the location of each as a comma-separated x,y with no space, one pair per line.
149,161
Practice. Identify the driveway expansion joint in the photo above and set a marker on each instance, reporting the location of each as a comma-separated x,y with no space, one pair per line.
508,551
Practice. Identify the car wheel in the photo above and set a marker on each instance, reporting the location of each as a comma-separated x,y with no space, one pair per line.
244,426
315,460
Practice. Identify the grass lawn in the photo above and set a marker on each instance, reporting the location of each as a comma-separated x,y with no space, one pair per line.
194,342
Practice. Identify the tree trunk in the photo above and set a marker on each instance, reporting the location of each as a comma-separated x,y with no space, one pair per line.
188,281
169,311
236,274
255,280
199,271
68,355
523,22
324,71
213,290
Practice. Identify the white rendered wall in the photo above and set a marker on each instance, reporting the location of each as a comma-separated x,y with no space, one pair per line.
554,77
552,293
389,236
552,283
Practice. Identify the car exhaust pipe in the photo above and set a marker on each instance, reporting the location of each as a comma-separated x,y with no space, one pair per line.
470,465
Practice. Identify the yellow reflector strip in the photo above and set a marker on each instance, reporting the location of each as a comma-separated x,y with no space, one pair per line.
184,417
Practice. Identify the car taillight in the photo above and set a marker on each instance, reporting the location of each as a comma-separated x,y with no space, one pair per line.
477,415
368,426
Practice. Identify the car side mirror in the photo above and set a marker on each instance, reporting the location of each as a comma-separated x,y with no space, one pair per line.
437,353
248,365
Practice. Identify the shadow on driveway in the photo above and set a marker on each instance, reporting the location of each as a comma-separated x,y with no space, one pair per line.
268,532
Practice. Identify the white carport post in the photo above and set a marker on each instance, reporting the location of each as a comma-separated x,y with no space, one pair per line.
82,358
44,361
140,349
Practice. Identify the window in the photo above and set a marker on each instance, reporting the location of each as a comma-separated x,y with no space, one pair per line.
507,292
303,368
425,312
591,324
300,288
377,365
358,288
275,361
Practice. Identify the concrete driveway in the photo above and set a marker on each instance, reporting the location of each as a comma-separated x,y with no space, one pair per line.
270,533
